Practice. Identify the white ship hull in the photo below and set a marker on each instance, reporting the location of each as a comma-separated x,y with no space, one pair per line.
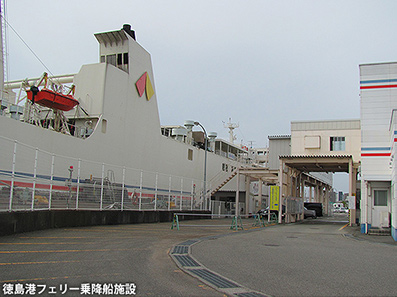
122,136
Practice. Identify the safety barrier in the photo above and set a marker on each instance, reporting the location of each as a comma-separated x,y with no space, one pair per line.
33,179
240,222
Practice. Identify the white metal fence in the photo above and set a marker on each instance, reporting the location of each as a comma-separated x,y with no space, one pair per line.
32,179
224,208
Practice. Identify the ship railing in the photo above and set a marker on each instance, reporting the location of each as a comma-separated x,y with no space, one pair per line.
33,179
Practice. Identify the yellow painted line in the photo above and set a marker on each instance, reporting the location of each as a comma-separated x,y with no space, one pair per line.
122,230
58,237
61,251
344,227
57,277
80,237
39,243
44,262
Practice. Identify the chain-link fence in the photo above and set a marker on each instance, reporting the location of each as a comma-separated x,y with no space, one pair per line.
32,179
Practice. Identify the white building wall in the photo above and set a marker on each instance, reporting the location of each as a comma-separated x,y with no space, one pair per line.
378,92
314,138
279,145
305,136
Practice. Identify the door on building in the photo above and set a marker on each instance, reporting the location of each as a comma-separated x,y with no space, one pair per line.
380,208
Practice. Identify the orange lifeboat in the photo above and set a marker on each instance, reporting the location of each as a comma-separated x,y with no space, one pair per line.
51,99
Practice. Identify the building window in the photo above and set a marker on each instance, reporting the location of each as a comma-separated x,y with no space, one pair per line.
119,59
125,58
111,59
380,197
337,143
190,154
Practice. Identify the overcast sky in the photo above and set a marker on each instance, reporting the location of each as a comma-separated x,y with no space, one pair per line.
263,63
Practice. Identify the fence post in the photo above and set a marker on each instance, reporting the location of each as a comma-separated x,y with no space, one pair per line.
34,177
51,180
155,193
169,193
180,206
13,175
122,190
140,191
103,176
201,197
191,196
78,183
209,197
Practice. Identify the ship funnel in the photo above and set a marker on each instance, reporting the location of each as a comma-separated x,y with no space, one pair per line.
127,29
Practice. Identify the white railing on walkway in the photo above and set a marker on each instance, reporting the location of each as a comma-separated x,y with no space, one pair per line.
32,179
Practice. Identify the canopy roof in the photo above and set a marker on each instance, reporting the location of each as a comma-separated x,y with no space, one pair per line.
329,163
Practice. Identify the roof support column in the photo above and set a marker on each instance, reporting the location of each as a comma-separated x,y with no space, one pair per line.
237,208
302,194
326,199
281,184
260,184
352,190
365,196
248,199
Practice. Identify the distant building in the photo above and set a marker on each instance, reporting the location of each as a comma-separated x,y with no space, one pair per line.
340,196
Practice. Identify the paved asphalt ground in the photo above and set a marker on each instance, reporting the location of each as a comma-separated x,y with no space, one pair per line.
315,258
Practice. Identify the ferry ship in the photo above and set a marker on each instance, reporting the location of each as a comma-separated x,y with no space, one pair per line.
94,139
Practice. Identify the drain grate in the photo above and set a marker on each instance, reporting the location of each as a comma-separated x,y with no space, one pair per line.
186,260
214,279
188,242
180,249
251,294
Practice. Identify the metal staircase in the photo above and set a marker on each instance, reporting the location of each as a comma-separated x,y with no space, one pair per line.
221,179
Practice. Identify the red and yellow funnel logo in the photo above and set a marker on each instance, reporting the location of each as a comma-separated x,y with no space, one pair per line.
144,84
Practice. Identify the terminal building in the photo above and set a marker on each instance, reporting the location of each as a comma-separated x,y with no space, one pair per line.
378,92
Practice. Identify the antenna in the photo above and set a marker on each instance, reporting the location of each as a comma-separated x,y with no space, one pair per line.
251,142
231,126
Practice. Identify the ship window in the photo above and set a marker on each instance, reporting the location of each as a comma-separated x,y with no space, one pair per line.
102,59
104,125
111,59
119,59
125,58
190,154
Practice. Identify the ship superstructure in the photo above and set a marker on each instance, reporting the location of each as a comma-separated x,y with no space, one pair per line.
113,138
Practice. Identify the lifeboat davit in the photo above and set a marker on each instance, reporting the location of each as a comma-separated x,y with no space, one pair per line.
51,99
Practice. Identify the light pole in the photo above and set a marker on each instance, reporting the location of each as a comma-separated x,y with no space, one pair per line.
205,161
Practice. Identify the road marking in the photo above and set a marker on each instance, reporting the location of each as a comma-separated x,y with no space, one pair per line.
33,243
77,237
344,227
44,262
62,251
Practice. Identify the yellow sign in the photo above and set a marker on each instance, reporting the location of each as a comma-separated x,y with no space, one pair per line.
274,197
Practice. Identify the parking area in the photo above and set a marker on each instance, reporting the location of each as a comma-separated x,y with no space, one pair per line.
103,258
280,260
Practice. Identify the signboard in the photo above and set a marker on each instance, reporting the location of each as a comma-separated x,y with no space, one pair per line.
352,202
274,197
